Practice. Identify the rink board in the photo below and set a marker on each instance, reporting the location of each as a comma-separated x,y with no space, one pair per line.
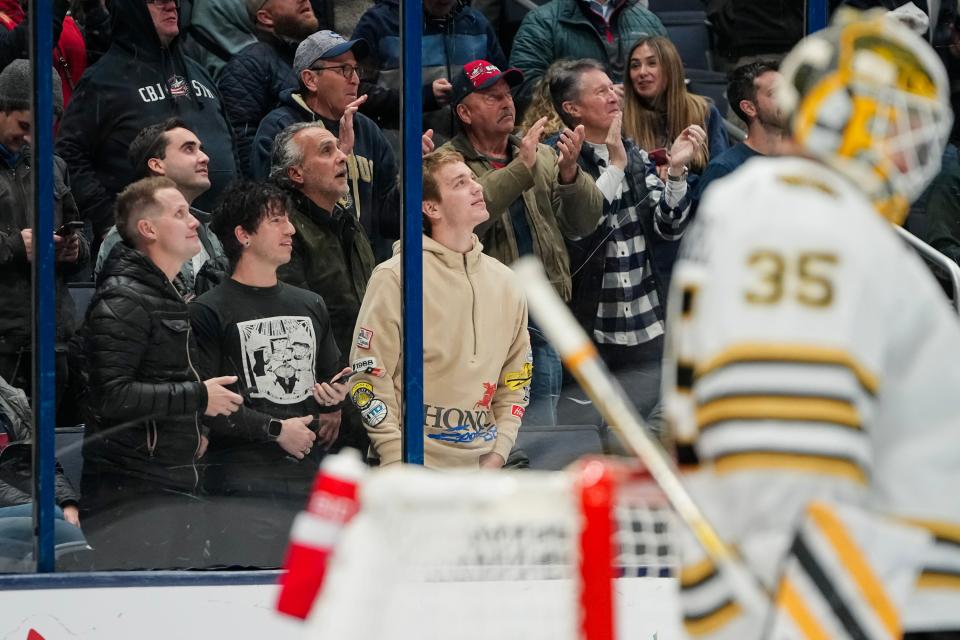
132,608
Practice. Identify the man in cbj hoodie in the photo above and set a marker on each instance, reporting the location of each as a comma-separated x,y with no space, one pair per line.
144,78
476,349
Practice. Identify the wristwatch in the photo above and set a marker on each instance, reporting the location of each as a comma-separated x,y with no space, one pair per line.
680,178
274,427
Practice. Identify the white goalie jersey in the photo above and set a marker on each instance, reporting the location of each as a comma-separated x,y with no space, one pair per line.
812,357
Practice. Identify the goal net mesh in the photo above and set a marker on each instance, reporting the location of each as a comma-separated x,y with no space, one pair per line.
478,555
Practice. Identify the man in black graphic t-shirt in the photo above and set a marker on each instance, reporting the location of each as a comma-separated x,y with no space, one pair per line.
278,341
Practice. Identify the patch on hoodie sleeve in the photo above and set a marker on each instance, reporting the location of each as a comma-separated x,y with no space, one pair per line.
515,380
368,366
374,414
362,395
364,338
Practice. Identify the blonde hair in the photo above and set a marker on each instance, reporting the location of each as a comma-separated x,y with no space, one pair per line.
541,104
432,162
658,124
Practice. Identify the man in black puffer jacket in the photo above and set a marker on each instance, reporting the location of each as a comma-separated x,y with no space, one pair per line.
143,79
252,81
143,435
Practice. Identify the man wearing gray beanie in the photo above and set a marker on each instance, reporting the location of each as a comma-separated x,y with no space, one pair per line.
16,229
15,88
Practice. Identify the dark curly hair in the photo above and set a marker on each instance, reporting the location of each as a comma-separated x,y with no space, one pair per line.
245,204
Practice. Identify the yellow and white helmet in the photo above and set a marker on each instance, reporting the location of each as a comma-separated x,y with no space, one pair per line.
870,98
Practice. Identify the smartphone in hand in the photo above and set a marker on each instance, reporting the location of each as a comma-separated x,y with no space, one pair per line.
68,228
342,379
659,156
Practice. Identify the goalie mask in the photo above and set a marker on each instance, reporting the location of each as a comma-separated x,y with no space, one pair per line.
870,98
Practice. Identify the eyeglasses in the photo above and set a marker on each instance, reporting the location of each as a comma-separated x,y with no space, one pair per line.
346,70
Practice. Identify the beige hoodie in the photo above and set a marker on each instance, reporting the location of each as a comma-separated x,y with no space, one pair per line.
476,357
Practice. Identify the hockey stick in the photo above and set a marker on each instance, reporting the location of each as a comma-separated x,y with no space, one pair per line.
581,358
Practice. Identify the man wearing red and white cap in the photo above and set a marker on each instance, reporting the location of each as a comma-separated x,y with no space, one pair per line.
535,197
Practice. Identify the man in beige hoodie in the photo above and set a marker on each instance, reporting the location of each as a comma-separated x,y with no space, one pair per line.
476,353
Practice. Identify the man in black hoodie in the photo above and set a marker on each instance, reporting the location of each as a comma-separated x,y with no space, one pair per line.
144,78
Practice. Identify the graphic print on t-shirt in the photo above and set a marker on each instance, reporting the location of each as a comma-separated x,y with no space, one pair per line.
278,357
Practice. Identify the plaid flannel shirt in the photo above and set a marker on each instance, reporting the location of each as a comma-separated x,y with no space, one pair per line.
630,311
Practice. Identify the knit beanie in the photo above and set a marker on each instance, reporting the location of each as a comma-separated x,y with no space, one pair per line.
15,88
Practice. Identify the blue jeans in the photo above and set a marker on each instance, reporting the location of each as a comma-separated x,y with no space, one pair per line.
546,383
25,511
16,534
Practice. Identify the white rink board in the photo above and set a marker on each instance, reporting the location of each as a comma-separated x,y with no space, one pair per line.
647,608
146,613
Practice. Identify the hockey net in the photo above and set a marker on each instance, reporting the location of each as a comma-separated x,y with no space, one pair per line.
505,555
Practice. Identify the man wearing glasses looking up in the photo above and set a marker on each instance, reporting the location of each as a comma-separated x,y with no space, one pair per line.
144,78
326,66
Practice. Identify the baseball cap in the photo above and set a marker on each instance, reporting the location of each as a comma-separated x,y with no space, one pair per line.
324,45
479,75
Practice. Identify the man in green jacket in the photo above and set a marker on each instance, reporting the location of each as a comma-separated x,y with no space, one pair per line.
331,252
600,29
534,197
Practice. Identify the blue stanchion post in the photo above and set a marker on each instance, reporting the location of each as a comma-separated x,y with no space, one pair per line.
818,14
44,291
411,173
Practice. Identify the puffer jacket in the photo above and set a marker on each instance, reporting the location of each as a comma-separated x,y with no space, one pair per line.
16,213
138,83
16,471
448,43
331,257
188,282
251,84
145,397
565,29
553,210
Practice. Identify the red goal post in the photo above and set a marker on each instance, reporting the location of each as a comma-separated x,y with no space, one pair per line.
507,554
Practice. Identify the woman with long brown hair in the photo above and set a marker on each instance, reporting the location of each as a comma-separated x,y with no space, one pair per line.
657,106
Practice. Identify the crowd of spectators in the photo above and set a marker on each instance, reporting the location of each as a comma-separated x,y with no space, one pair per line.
227,178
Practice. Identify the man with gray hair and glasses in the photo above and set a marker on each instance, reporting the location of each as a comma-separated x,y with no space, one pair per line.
326,68
332,255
